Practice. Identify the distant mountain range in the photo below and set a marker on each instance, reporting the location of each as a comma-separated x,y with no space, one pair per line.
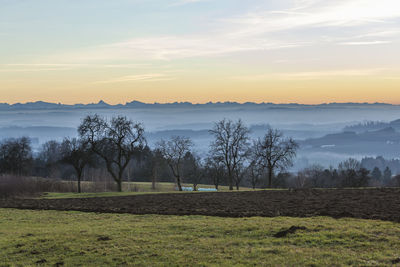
40,105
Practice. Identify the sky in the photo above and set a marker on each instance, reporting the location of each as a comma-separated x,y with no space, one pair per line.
281,51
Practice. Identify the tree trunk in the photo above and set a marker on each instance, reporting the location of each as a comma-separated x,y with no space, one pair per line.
119,183
178,181
79,185
270,173
120,174
79,177
230,179
153,183
153,179
237,187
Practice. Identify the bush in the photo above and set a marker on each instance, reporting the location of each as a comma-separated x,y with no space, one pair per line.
18,186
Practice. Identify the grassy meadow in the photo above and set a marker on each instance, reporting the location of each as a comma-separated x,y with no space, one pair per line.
56,238
131,188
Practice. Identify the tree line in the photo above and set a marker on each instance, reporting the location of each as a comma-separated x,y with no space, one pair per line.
118,148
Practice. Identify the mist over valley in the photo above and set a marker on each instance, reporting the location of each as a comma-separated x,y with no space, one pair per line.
327,133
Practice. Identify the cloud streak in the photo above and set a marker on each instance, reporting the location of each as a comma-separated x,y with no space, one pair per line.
311,75
335,13
302,24
255,31
366,43
149,77
38,67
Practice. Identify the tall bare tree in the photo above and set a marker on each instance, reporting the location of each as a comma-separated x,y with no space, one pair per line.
231,143
115,141
274,151
173,151
239,175
76,153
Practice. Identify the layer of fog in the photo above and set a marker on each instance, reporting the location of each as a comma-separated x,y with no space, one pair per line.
299,122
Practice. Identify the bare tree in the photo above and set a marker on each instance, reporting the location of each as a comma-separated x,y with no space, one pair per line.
239,174
215,169
156,163
300,180
193,169
254,173
349,165
230,145
387,176
16,156
396,181
173,151
275,152
352,174
76,153
115,141
312,176
50,155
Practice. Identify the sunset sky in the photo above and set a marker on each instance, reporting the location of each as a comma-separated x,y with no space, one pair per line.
305,51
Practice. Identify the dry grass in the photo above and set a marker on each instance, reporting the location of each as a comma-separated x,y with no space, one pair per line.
17,186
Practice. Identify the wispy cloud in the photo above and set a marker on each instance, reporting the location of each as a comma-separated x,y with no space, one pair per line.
32,69
260,30
62,65
366,43
38,67
339,13
311,75
169,47
149,77
175,47
384,33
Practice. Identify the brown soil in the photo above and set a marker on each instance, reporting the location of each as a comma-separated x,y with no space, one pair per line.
381,204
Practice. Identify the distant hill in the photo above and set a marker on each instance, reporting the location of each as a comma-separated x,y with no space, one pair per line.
40,105
36,130
37,134
372,126
384,142
383,135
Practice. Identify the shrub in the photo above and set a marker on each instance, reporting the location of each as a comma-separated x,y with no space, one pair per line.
19,186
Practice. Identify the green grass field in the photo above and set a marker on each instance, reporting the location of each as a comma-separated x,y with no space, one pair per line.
53,195
132,188
89,239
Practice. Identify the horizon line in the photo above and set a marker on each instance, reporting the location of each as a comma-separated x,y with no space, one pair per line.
195,103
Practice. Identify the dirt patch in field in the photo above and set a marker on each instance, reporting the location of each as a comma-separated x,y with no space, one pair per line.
291,230
381,204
